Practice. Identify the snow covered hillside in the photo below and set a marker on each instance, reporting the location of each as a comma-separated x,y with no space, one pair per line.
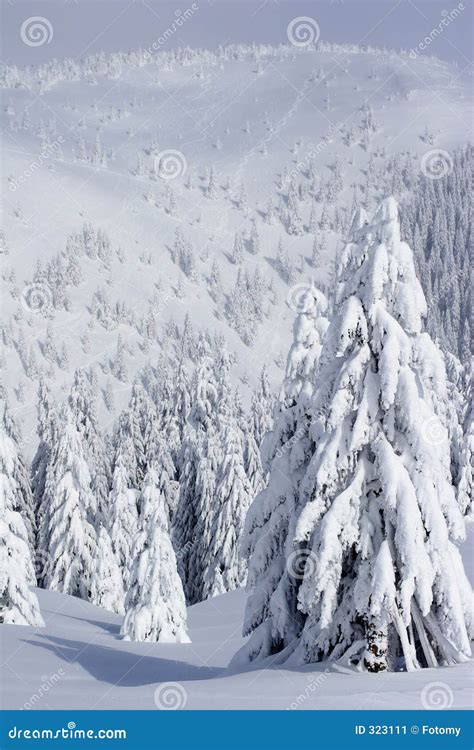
236,350
137,191
79,661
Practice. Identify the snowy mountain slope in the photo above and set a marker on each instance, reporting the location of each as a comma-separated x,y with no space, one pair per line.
241,115
79,661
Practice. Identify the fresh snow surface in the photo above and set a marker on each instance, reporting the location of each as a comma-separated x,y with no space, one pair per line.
80,661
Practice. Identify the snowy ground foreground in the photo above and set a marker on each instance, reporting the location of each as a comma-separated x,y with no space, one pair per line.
217,115
79,661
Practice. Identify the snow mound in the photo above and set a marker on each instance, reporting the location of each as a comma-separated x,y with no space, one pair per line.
78,660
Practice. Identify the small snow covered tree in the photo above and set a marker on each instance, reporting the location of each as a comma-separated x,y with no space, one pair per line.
123,513
225,569
294,221
158,454
83,408
20,479
201,418
50,352
106,583
119,367
262,408
155,605
132,430
211,190
369,508
252,461
215,282
237,254
199,544
466,461
254,240
47,426
71,539
179,410
18,605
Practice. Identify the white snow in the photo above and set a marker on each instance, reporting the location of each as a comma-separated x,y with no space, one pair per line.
79,661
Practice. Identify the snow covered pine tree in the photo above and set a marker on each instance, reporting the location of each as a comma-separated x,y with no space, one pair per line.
155,604
352,544
18,604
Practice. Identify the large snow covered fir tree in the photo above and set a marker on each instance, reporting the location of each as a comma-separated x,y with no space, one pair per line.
353,543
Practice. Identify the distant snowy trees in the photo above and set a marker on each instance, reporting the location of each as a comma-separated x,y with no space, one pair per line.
165,496
438,225
225,569
123,512
352,545
465,480
244,309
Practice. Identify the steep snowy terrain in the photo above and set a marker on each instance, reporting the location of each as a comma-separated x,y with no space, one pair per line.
248,115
